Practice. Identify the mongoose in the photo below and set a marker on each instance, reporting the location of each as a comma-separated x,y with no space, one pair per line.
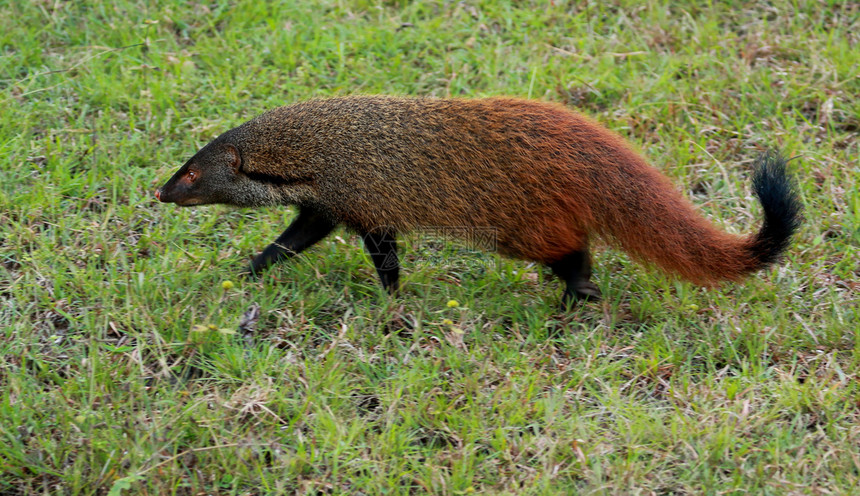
545,178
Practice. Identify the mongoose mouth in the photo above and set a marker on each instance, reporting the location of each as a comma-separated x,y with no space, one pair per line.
189,202
183,202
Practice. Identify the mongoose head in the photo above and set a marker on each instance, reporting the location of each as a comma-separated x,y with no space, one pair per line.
215,175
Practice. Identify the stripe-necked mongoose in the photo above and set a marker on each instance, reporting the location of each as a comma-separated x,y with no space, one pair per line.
544,178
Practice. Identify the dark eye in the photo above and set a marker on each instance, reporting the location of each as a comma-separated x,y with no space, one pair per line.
192,175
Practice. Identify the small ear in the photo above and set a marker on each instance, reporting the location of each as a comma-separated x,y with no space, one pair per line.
234,157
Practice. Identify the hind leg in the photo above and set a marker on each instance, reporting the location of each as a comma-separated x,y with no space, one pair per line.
575,270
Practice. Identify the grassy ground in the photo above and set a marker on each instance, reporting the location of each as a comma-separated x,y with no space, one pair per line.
123,365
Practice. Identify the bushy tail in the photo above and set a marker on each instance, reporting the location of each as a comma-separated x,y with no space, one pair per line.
781,207
652,221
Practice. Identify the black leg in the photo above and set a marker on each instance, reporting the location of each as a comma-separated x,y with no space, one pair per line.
381,244
308,228
575,270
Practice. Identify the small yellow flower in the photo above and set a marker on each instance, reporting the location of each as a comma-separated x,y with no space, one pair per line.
453,303
693,307
227,285
447,322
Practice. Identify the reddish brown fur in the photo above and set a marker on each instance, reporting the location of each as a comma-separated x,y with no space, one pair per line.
545,177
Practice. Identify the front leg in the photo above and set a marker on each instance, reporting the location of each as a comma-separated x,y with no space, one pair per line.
381,244
308,228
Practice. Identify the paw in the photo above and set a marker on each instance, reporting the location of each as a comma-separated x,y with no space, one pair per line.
583,291
587,291
249,274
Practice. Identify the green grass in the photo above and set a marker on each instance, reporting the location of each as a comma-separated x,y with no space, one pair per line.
111,378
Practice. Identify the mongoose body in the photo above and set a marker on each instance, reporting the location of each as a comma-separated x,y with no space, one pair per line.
544,178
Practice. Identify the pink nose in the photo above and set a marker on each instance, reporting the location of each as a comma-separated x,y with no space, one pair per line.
158,194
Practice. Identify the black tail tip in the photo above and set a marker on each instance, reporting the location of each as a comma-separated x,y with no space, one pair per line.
781,204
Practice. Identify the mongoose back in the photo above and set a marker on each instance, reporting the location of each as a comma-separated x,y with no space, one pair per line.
544,178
